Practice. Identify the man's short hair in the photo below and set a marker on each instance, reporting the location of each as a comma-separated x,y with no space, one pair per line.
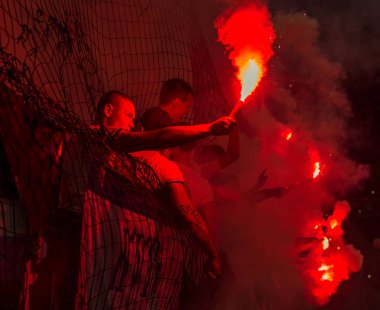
174,88
106,98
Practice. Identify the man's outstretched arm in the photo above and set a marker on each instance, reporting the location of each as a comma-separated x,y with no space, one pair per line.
125,141
182,203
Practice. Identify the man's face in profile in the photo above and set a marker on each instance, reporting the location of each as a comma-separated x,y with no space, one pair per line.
182,108
122,114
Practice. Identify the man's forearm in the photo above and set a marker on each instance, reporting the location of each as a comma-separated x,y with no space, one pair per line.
182,203
199,228
168,137
159,139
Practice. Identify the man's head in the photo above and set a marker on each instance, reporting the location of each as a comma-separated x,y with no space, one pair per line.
176,98
115,109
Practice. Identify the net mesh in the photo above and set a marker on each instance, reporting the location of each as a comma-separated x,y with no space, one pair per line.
103,216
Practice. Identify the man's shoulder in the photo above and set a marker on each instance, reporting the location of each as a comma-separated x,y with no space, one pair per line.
145,154
166,170
108,132
155,118
156,113
151,157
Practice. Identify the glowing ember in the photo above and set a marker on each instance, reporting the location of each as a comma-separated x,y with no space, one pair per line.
289,136
317,170
324,267
315,159
248,35
325,243
333,224
328,276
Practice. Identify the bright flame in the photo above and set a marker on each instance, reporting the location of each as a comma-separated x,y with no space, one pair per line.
328,274
315,159
249,75
289,136
247,34
333,224
324,267
325,243
317,169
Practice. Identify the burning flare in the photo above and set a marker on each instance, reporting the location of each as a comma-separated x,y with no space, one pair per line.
317,169
330,261
247,34
328,273
315,159
334,223
249,75
325,243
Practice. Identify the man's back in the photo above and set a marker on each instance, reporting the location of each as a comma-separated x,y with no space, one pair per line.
154,118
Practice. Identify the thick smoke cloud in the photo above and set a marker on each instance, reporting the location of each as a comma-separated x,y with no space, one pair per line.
303,94
349,30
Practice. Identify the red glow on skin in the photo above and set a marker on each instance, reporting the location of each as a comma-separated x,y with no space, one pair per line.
247,34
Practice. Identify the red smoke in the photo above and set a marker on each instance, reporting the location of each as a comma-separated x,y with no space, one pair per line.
329,259
315,159
306,156
247,34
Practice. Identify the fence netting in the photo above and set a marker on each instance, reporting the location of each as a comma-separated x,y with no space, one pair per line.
105,237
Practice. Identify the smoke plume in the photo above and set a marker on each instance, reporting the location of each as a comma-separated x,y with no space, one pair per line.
302,95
